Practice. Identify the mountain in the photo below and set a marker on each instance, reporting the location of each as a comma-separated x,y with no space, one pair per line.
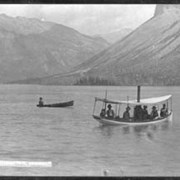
32,48
149,56
160,9
115,36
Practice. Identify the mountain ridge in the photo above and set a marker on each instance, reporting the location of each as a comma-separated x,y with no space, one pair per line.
149,55
33,48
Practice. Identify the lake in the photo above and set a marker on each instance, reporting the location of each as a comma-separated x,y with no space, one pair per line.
75,143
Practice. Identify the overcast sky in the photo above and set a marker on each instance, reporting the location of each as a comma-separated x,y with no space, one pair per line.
88,19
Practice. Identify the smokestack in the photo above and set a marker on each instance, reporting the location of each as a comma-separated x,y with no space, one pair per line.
138,93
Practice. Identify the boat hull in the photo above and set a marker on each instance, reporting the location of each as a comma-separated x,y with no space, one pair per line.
112,122
58,105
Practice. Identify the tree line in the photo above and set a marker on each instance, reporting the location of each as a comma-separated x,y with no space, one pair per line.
94,81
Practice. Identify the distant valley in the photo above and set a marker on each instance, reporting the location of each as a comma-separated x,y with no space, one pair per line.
115,36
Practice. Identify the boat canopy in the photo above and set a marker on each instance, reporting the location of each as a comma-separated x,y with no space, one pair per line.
147,101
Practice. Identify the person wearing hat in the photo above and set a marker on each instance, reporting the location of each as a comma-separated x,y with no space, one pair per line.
145,114
126,114
110,112
41,103
164,111
154,112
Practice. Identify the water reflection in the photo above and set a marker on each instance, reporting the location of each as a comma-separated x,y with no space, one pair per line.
105,130
154,127
139,130
166,125
150,135
126,129
150,130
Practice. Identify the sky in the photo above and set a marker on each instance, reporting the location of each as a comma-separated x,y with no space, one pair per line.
86,18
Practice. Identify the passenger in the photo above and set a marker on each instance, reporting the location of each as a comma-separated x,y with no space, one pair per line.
138,113
41,103
164,111
126,114
110,112
145,114
154,113
103,113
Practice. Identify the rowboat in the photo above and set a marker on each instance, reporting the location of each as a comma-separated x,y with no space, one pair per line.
57,105
161,105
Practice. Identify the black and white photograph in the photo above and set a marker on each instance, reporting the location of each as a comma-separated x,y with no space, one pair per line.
90,90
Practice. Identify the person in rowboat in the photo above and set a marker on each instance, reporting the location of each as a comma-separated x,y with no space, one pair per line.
41,103
110,112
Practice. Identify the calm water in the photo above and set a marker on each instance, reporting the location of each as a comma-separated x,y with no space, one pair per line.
75,143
